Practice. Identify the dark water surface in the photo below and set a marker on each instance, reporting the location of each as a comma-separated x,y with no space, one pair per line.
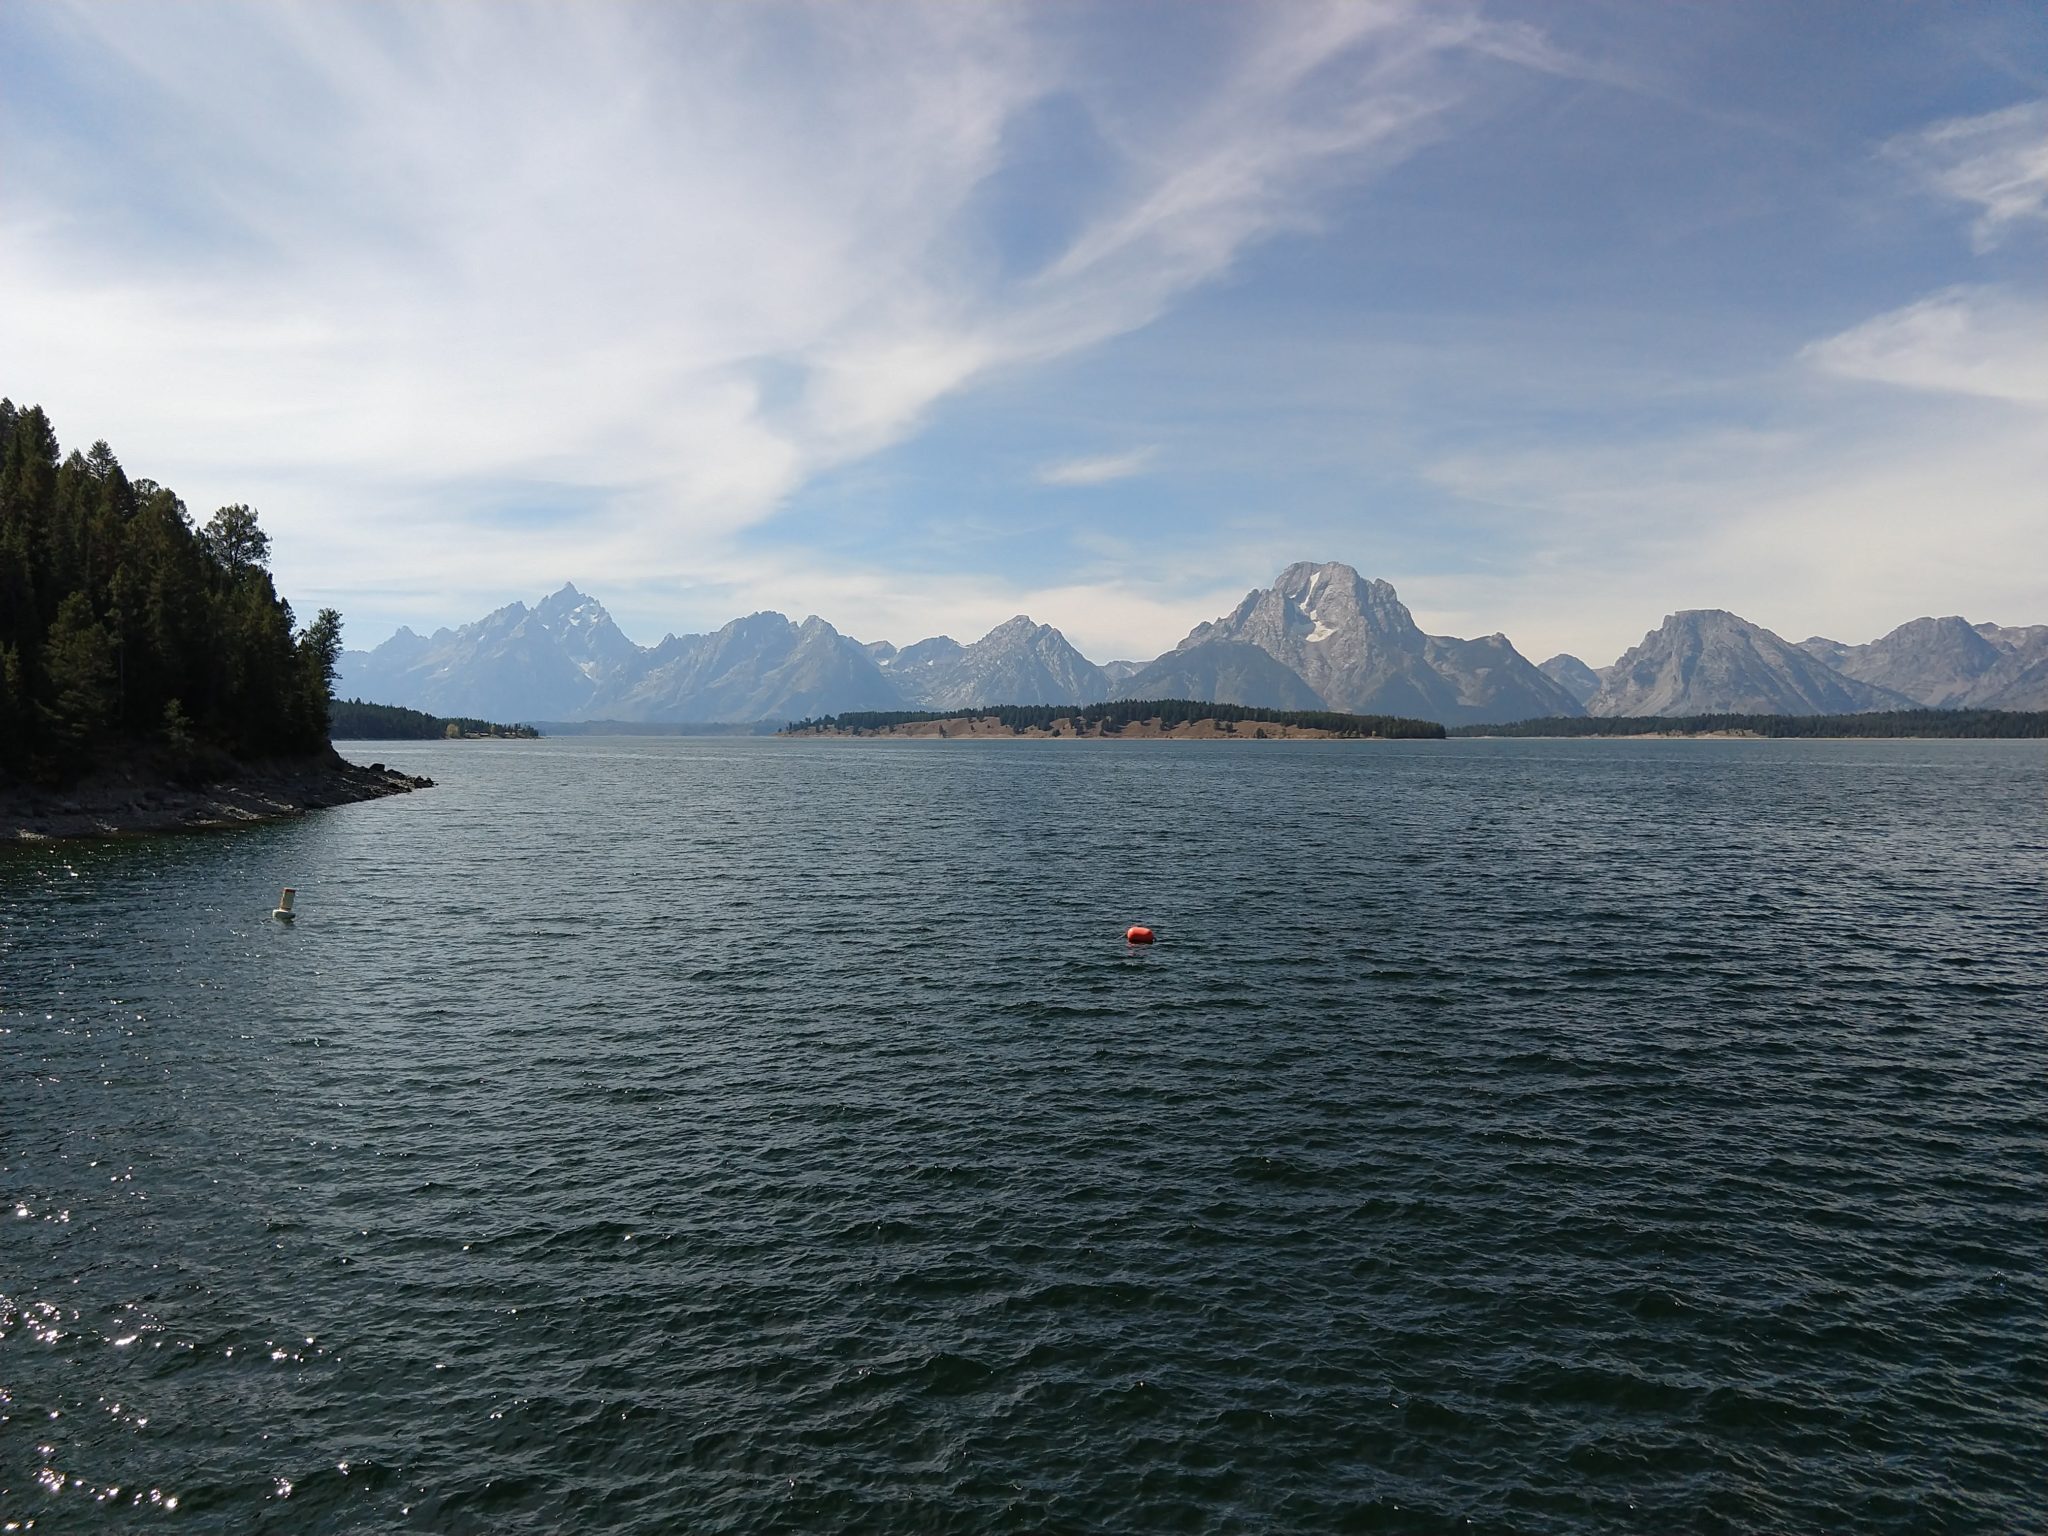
747,1135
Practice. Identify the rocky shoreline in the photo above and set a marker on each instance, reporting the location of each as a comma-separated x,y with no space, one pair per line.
117,802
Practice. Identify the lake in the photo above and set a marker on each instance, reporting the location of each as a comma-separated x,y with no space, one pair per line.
738,1134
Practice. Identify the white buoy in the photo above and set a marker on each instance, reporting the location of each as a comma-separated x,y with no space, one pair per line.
283,911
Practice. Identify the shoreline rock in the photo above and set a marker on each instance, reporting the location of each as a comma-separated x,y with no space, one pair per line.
117,803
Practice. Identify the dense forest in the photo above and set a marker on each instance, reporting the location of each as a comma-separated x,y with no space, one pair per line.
1118,713
127,632
1981,723
353,720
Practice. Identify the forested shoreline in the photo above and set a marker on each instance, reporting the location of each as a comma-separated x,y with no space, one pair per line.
1974,724
128,632
356,720
1111,717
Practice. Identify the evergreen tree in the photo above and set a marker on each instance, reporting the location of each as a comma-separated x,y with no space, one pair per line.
123,628
319,656
78,668
234,542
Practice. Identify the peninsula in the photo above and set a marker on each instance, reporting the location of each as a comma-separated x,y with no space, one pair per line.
354,720
1126,719
151,678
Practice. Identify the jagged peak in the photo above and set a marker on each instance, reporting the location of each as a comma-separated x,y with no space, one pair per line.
577,608
1302,572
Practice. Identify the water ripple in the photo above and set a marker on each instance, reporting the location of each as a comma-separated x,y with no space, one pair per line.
646,1135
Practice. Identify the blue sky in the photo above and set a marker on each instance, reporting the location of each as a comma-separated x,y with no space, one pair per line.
1558,317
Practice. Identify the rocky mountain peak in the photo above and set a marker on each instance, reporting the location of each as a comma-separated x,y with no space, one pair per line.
1572,675
1703,661
564,604
1943,663
1021,627
1354,642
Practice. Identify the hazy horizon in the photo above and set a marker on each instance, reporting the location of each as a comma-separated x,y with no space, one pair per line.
919,317
531,601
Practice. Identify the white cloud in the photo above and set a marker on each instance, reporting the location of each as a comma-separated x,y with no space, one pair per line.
681,258
1100,469
1839,510
1997,162
1966,341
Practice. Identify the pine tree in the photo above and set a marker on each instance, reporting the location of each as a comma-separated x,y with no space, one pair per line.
319,656
121,626
78,668
234,542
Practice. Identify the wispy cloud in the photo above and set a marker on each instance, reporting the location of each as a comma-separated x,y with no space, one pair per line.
1997,162
1819,505
1100,469
685,259
1968,341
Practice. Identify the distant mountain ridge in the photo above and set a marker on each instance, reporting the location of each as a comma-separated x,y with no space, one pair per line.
1017,662
1949,663
1572,675
1321,637
1708,661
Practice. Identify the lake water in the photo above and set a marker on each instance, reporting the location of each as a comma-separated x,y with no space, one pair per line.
733,1135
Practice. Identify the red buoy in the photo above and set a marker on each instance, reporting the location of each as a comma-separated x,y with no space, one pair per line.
1138,936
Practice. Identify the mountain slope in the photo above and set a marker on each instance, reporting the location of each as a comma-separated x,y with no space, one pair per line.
1936,662
543,663
1571,674
1221,672
2019,680
1355,644
1709,661
1018,662
761,667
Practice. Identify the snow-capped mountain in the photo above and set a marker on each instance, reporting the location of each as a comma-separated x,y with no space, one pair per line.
1355,644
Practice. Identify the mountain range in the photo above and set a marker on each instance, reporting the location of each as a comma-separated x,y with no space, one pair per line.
1321,637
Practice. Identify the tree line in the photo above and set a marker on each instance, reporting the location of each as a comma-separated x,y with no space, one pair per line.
1118,713
354,720
1975,723
126,629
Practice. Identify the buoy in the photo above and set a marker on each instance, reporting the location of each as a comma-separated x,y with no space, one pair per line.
283,911
1138,936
